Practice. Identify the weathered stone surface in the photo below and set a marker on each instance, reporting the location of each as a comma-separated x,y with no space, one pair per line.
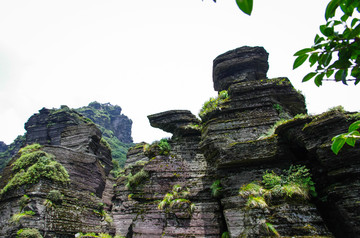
109,117
11,150
177,122
337,177
229,148
75,144
46,126
239,65
3,147
135,210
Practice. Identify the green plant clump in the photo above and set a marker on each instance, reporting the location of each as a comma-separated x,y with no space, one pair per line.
225,234
53,198
216,189
213,104
134,180
161,147
18,216
24,201
295,182
32,165
100,235
29,233
177,199
102,213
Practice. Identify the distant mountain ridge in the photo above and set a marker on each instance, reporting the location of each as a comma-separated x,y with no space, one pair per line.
115,127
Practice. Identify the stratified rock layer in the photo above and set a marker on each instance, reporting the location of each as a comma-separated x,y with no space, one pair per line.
75,143
239,65
233,145
177,122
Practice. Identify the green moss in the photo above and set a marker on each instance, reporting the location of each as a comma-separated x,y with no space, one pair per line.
323,116
134,180
35,164
15,218
177,199
24,201
28,233
295,183
161,147
213,104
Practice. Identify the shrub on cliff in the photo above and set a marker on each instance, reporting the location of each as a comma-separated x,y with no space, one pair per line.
161,147
177,199
34,164
294,183
134,180
213,104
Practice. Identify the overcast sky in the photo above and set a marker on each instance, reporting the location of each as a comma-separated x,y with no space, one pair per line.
145,56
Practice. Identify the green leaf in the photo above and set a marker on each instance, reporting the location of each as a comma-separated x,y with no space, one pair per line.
245,5
313,59
309,76
318,79
356,32
338,143
331,8
303,51
339,75
299,60
344,18
353,22
352,137
354,126
325,59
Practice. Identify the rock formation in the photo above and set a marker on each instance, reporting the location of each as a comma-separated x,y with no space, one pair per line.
3,147
109,117
188,186
75,143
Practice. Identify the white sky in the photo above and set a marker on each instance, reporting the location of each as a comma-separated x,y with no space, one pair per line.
145,56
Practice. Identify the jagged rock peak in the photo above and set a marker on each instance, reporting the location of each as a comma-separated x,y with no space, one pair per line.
109,117
47,126
239,65
3,146
177,122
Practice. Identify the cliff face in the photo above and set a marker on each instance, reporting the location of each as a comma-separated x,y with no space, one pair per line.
109,117
234,145
10,150
71,142
197,184
115,127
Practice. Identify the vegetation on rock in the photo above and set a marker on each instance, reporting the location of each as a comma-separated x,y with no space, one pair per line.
177,199
216,189
213,104
29,233
15,218
53,198
134,180
161,147
99,235
11,151
102,115
295,183
32,165
102,213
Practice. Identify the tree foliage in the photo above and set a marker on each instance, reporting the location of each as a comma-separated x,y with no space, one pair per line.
336,51
244,5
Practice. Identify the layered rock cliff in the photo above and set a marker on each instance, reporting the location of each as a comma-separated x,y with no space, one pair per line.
115,127
70,143
196,183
